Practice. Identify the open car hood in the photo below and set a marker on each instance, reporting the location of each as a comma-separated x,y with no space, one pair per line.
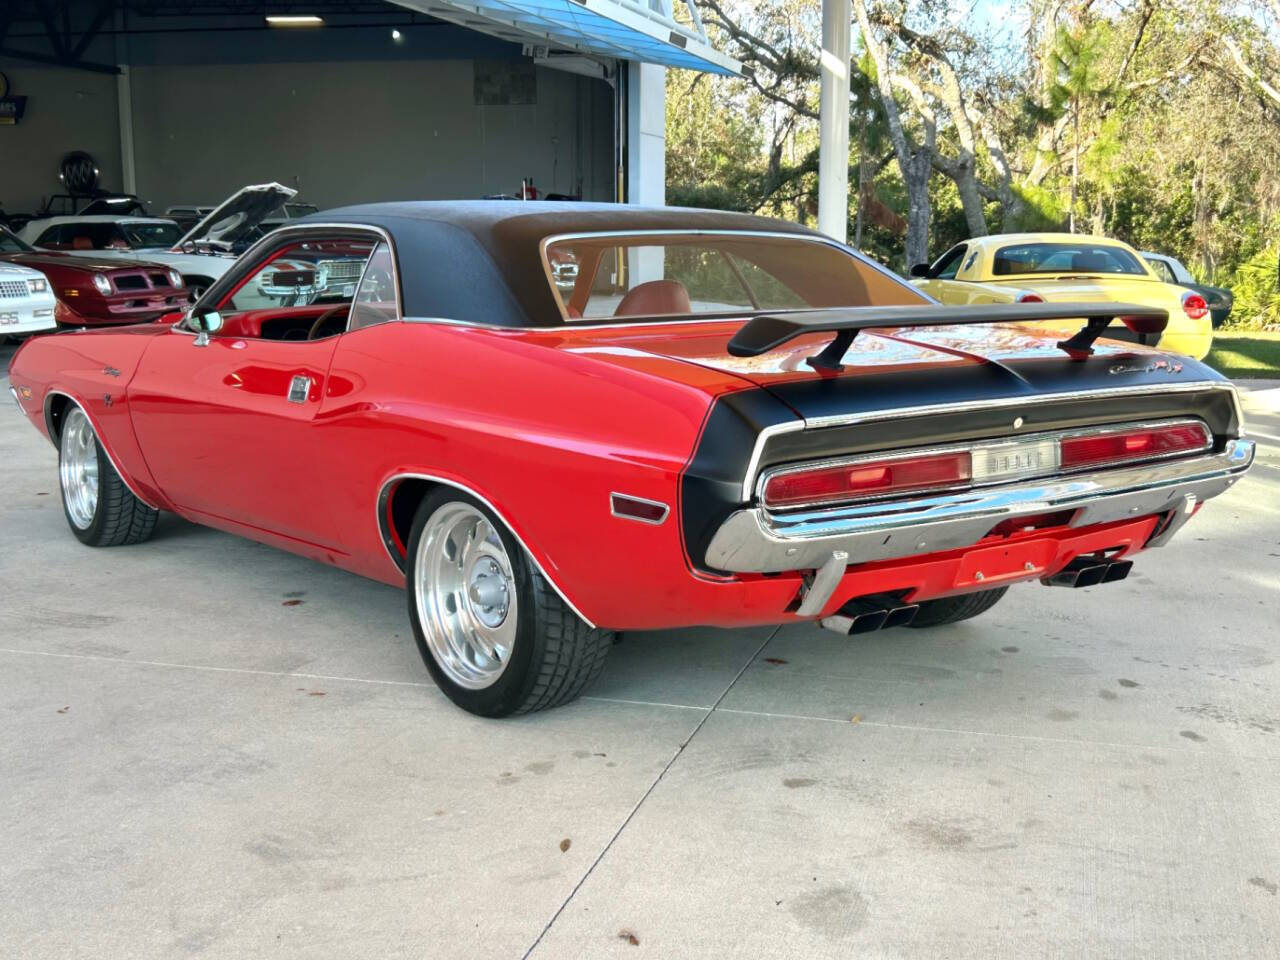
232,219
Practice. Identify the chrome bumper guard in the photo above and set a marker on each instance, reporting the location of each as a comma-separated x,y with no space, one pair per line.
756,540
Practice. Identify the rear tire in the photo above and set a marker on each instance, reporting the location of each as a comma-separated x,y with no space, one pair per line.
935,613
100,509
494,634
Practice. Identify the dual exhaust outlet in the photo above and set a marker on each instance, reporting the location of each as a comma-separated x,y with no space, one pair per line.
875,612
880,611
1089,572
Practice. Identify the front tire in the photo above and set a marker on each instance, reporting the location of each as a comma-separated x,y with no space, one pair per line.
100,509
494,634
935,613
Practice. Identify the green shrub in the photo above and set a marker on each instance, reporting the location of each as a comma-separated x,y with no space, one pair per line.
1257,292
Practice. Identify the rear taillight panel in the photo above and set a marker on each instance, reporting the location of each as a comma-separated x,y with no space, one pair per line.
864,478
939,470
1103,448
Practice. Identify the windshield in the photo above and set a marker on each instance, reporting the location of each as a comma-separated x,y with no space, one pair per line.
11,244
152,234
301,209
600,277
1066,258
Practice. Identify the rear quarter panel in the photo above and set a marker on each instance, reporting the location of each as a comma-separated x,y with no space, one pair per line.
543,431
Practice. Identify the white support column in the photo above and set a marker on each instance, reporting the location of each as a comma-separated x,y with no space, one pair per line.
833,120
647,134
646,157
124,107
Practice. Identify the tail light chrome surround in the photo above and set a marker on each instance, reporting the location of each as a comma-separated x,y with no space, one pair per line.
988,463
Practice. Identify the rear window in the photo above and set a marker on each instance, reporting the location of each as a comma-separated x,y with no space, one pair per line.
603,277
1065,258
152,234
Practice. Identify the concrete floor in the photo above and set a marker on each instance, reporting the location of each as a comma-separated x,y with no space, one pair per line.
190,767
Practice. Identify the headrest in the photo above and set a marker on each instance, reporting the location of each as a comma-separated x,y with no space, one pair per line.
1090,262
654,298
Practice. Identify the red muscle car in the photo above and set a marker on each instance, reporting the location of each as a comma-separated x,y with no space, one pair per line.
93,292
726,420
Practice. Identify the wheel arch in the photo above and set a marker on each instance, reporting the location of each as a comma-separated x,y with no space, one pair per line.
398,501
56,405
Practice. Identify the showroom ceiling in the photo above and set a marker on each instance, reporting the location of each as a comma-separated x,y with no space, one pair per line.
666,32
647,32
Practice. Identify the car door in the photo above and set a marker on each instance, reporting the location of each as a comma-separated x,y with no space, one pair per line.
229,427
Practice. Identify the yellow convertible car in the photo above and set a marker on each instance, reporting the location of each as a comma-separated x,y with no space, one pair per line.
1065,267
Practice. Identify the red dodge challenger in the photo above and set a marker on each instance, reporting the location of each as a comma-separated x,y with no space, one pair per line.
99,292
723,420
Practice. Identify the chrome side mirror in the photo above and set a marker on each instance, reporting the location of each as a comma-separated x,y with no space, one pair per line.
204,322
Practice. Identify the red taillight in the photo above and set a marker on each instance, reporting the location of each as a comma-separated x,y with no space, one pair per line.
868,478
1030,298
1193,305
1124,445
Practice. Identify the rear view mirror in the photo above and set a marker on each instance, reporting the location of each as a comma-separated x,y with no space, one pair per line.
920,270
209,321
204,322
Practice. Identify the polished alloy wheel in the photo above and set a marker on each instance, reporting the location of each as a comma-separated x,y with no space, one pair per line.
78,468
466,595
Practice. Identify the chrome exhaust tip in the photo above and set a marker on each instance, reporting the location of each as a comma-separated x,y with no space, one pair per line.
901,616
1089,572
1117,571
867,614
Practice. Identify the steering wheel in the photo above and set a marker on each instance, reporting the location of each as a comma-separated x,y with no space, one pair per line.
327,315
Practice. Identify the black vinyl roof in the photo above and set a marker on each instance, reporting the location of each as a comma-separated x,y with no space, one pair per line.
479,261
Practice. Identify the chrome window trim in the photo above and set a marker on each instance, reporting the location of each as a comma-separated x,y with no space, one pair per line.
666,508
273,239
902,413
694,232
384,533
97,432
979,446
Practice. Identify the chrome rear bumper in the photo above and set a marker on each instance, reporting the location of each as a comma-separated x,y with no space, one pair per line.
756,540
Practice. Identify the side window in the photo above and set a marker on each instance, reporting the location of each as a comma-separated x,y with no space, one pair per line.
375,300
311,272
50,238
969,262
1162,270
948,265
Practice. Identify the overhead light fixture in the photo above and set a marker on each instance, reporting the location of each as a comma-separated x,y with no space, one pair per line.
396,35
294,20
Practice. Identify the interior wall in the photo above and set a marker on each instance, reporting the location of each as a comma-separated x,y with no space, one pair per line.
66,110
340,132
355,132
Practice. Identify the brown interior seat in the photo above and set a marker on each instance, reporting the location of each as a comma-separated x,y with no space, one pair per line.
81,243
654,298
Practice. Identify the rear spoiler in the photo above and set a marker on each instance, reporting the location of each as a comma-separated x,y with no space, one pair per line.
764,333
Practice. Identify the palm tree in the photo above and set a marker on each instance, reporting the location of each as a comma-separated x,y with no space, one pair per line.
1079,82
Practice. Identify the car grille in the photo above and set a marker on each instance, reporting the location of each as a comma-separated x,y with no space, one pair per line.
339,271
130,282
13,288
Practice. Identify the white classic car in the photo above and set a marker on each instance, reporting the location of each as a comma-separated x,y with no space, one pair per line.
201,255
26,301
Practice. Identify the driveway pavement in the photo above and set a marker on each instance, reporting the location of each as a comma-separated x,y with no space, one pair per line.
192,763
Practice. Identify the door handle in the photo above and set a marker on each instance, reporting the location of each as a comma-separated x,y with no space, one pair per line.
299,389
